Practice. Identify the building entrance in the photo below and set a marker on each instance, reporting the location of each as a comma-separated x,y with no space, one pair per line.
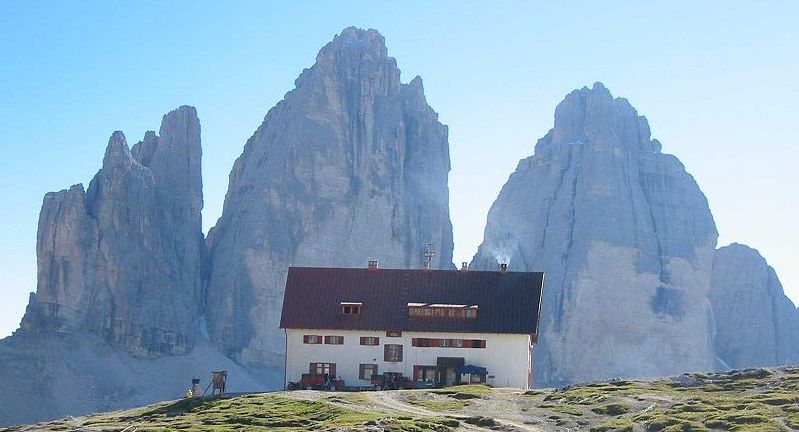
447,370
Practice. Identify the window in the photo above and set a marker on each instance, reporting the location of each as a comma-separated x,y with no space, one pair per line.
323,368
365,371
393,333
334,340
424,373
420,342
351,308
442,310
370,340
448,343
392,353
312,339
476,343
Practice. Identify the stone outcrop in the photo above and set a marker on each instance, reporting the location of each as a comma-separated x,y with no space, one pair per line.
625,237
122,260
351,165
756,324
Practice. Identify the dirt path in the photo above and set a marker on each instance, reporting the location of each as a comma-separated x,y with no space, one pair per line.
391,401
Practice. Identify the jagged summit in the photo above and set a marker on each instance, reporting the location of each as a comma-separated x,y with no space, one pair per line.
595,116
356,36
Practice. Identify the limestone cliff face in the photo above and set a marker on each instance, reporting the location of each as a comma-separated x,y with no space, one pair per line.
122,260
756,324
625,237
351,165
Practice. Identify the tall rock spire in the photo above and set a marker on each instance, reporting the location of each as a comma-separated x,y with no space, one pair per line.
625,237
351,165
123,260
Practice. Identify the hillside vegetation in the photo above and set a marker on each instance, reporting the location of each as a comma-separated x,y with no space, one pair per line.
745,400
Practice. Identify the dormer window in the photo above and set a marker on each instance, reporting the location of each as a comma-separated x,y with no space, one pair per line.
351,308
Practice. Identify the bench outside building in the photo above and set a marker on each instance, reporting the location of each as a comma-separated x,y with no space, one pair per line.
425,328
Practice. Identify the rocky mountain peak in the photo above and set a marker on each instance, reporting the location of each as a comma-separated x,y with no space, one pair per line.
351,165
122,260
625,237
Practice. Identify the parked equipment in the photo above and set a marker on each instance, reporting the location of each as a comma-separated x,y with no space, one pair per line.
317,381
392,381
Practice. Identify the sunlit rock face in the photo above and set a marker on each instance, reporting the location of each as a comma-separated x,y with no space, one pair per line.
756,324
351,165
625,237
122,260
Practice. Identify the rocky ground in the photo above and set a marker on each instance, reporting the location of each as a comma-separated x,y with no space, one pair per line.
743,400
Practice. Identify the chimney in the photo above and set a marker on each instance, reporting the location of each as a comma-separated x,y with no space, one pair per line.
373,265
429,253
464,266
503,267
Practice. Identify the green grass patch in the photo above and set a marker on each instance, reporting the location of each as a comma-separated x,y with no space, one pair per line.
617,425
439,405
562,408
613,409
485,422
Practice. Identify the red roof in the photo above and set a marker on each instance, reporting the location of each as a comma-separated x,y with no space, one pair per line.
508,302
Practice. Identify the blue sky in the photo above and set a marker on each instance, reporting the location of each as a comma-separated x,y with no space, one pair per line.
717,81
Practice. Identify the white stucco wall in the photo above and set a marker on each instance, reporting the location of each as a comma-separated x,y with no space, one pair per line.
506,356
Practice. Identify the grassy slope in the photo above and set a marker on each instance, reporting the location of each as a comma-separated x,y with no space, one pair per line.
753,400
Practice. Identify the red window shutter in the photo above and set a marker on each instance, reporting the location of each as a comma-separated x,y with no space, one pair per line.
327,339
312,368
467,343
415,342
333,369
363,342
416,372
305,339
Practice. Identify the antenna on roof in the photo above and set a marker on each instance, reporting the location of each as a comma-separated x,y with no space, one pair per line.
428,256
